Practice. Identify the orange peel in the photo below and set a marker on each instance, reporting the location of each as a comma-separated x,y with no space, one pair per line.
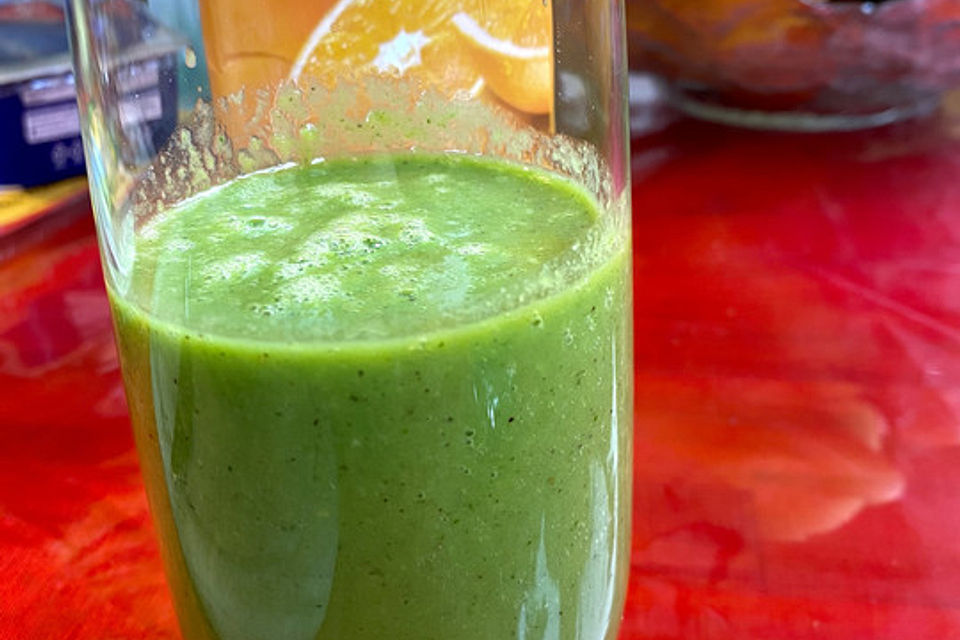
519,75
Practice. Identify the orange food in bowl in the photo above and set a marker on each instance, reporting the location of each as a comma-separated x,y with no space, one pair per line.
841,64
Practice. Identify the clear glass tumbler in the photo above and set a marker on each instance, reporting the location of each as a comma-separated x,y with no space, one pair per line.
369,268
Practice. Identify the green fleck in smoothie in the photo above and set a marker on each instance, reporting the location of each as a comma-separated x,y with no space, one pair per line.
385,398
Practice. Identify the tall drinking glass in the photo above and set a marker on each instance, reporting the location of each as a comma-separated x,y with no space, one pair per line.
369,269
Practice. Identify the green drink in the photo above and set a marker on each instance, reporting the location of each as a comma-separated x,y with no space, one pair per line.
385,398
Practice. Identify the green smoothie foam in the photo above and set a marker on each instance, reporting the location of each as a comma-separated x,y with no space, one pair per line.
385,398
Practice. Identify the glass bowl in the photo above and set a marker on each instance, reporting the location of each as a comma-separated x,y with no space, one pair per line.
799,64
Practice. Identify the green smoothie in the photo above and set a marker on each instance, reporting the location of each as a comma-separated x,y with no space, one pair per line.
385,398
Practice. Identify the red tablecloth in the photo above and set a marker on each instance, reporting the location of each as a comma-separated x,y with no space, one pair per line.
798,401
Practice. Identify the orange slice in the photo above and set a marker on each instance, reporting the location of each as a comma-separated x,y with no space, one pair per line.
421,39
393,37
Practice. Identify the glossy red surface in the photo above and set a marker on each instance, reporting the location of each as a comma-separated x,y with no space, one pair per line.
798,402
798,409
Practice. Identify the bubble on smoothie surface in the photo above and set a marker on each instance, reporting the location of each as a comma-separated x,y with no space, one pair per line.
234,267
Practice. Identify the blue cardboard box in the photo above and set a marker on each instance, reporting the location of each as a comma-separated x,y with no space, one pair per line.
39,121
